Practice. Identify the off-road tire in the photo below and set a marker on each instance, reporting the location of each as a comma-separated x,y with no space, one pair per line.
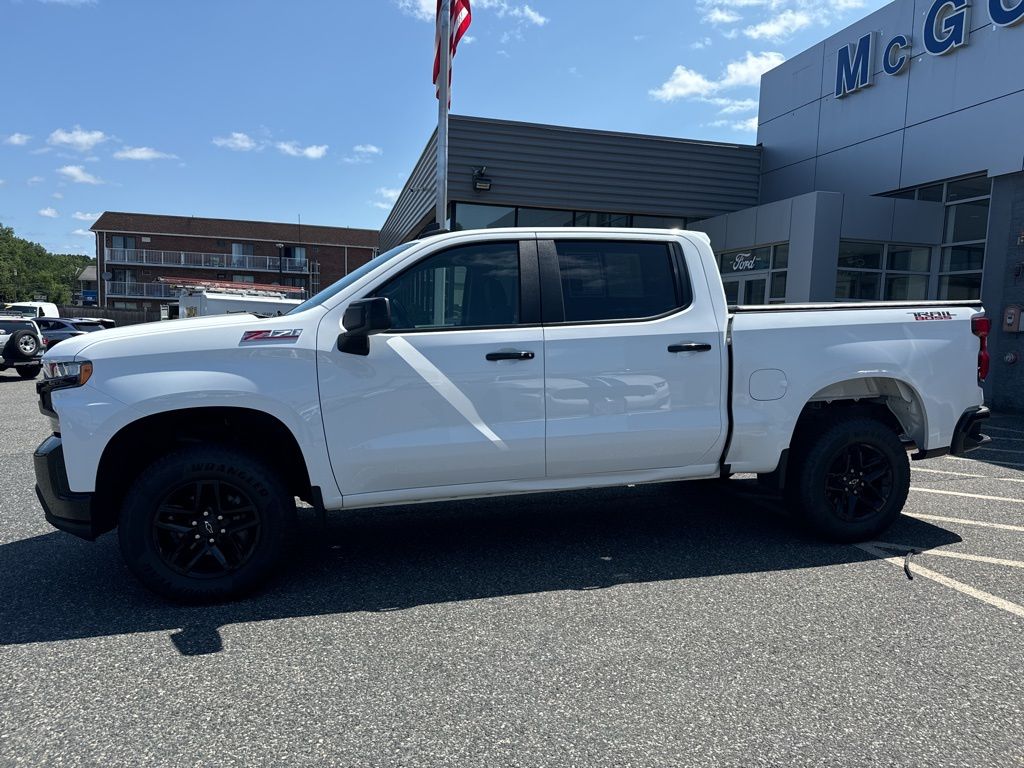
848,479
216,506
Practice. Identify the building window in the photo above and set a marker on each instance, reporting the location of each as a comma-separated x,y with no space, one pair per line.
476,216
594,219
544,217
964,232
755,275
873,271
472,216
123,242
239,254
243,279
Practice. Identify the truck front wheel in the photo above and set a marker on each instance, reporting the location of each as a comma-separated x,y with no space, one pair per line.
849,481
205,524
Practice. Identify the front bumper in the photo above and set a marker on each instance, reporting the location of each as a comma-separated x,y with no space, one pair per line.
65,509
967,435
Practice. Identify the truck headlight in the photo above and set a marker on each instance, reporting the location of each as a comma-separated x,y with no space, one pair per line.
65,374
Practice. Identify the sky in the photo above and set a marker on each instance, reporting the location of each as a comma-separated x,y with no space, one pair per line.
318,109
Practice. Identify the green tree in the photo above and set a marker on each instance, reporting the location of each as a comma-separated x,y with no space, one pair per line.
27,269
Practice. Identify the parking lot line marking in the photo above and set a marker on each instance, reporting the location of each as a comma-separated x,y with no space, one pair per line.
968,495
989,461
1000,439
945,581
954,555
962,521
1001,450
1004,429
968,474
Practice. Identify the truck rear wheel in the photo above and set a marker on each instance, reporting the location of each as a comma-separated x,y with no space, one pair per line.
849,480
205,524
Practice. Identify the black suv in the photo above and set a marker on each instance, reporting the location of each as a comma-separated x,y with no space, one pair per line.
57,329
21,346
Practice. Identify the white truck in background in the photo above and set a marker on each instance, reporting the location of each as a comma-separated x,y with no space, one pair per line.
203,303
487,363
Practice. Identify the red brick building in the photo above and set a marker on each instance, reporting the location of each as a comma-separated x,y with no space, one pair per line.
133,250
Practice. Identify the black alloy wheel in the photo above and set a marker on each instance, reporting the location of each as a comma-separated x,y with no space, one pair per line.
207,528
859,482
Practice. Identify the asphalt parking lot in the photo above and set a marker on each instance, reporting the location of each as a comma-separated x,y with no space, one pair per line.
657,625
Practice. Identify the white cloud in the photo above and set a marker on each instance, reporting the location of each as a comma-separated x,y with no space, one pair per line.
77,138
73,3
57,195
425,10
33,180
779,27
704,42
83,233
2,182
722,16
526,12
750,124
467,40
292,148
237,141
389,193
78,174
748,70
733,106
142,153
685,83
48,212
85,216
363,153
17,139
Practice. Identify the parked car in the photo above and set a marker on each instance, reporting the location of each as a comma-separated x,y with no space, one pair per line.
21,346
106,322
487,363
57,329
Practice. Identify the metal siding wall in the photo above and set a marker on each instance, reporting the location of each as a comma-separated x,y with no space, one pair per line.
416,200
555,167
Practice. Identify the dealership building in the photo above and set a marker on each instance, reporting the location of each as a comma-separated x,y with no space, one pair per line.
889,165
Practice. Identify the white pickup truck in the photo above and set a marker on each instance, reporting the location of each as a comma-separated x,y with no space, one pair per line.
487,363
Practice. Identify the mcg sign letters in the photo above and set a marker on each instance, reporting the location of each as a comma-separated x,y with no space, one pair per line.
947,26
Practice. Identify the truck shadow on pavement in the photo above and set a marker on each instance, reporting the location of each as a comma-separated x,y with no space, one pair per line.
59,588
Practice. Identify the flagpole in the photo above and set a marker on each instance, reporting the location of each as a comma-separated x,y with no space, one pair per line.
444,44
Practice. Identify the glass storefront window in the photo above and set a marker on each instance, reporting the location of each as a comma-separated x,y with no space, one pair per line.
967,221
907,258
594,219
473,216
960,287
857,286
544,217
778,289
854,255
962,189
659,222
753,260
962,258
906,287
780,257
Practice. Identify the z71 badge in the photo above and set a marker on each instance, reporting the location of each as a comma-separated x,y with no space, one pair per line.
287,334
933,315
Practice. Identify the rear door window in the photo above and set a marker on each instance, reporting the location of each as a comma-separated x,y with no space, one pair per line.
606,280
88,327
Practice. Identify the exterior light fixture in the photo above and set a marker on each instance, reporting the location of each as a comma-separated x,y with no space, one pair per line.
481,183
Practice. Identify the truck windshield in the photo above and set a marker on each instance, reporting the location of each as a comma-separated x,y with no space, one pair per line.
351,277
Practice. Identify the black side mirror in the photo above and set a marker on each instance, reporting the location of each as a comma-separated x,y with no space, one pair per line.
362,319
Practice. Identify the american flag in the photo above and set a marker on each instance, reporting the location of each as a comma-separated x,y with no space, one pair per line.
462,17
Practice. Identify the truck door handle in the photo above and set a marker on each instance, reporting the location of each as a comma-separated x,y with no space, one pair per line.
516,355
690,346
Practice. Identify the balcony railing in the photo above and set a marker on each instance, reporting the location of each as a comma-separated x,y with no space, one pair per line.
206,260
140,290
